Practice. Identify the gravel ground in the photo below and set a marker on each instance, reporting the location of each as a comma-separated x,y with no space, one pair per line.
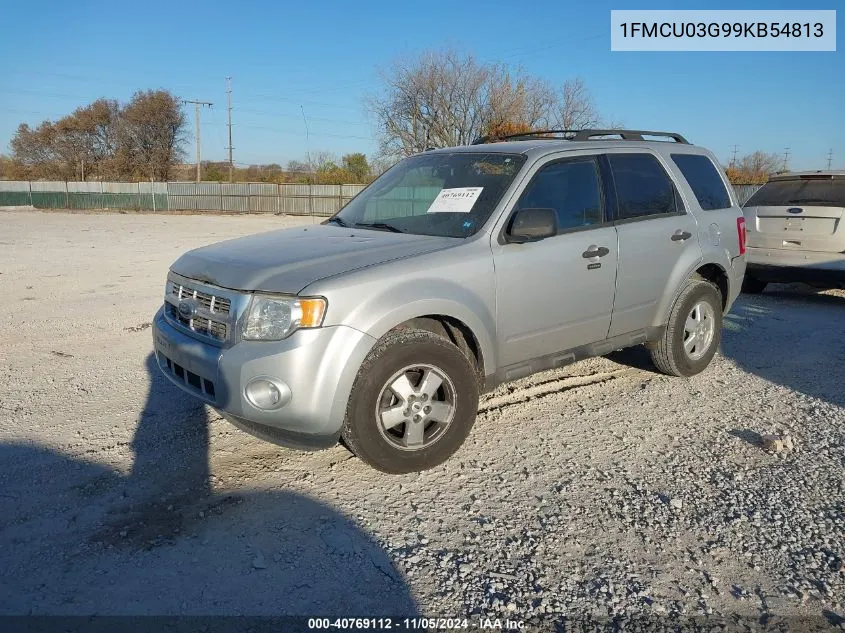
602,490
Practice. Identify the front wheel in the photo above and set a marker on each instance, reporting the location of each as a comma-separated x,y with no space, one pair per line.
413,403
693,332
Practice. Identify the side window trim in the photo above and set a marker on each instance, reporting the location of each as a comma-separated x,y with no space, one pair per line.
680,206
608,190
582,158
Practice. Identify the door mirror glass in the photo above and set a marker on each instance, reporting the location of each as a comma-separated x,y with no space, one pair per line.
531,225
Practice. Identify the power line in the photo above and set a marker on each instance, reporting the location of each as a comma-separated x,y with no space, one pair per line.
829,157
312,118
198,105
532,51
256,98
266,128
271,98
733,158
786,159
111,82
100,81
267,112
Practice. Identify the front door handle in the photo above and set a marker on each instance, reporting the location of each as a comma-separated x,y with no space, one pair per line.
680,236
595,251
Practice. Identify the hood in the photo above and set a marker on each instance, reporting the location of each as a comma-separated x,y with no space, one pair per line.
288,260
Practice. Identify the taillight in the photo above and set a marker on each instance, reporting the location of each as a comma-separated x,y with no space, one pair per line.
740,233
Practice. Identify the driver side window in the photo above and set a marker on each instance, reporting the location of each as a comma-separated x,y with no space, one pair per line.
571,188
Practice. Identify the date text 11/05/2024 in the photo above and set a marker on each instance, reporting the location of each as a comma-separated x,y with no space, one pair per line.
415,624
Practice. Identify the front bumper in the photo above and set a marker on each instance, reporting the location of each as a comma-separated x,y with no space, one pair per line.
319,366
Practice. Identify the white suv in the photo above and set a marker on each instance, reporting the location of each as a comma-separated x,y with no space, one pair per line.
794,231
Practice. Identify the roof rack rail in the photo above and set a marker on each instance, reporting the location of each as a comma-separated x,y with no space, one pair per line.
487,139
586,135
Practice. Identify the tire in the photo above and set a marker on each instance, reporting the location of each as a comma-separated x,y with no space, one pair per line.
402,426
752,285
698,298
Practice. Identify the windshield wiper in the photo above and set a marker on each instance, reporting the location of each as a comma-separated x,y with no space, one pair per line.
380,226
338,221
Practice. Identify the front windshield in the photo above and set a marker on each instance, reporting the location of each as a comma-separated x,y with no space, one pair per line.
445,194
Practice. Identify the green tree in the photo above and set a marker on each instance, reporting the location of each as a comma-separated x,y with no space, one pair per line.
357,167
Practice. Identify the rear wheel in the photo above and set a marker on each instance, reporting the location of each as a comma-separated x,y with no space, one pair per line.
752,285
413,403
693,332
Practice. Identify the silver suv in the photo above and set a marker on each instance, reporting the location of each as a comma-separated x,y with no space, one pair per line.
795,231
457,270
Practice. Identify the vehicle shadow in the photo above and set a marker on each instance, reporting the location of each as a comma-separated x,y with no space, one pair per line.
780,336
636,357
82,538
792,338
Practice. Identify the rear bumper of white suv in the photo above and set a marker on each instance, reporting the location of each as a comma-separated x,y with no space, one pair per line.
782,265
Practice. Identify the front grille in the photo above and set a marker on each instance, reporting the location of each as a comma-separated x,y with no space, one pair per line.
199,324
212,303
211,314
196,382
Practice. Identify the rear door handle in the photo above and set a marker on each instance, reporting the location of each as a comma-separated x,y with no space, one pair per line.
595,251
680,236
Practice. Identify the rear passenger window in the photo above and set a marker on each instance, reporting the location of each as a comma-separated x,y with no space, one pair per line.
569,187
704,180
642,186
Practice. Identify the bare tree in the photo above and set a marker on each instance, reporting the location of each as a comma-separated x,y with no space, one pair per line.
754,169
83,140
575,110
142,139
298,166
761,163
432,100
152,134
322,161
446,98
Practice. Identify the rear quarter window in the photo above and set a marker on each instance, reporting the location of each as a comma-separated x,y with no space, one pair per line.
704,180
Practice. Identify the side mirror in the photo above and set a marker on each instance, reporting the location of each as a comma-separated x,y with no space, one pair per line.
531,225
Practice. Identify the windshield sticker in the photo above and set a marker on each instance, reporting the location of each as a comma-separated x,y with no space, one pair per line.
457,200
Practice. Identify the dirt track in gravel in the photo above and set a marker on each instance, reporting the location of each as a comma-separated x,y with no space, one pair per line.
600,488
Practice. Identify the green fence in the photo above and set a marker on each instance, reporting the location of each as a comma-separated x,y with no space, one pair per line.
143,196
294,199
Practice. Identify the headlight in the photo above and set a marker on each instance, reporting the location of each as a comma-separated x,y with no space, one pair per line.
274,318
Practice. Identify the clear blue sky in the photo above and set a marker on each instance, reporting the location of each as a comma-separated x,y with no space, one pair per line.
325,56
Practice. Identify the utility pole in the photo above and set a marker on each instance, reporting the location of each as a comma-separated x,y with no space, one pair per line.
229,109
198,105
829,157
733,158
786,159
310,166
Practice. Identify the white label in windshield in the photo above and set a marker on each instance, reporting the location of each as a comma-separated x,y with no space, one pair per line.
457,200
